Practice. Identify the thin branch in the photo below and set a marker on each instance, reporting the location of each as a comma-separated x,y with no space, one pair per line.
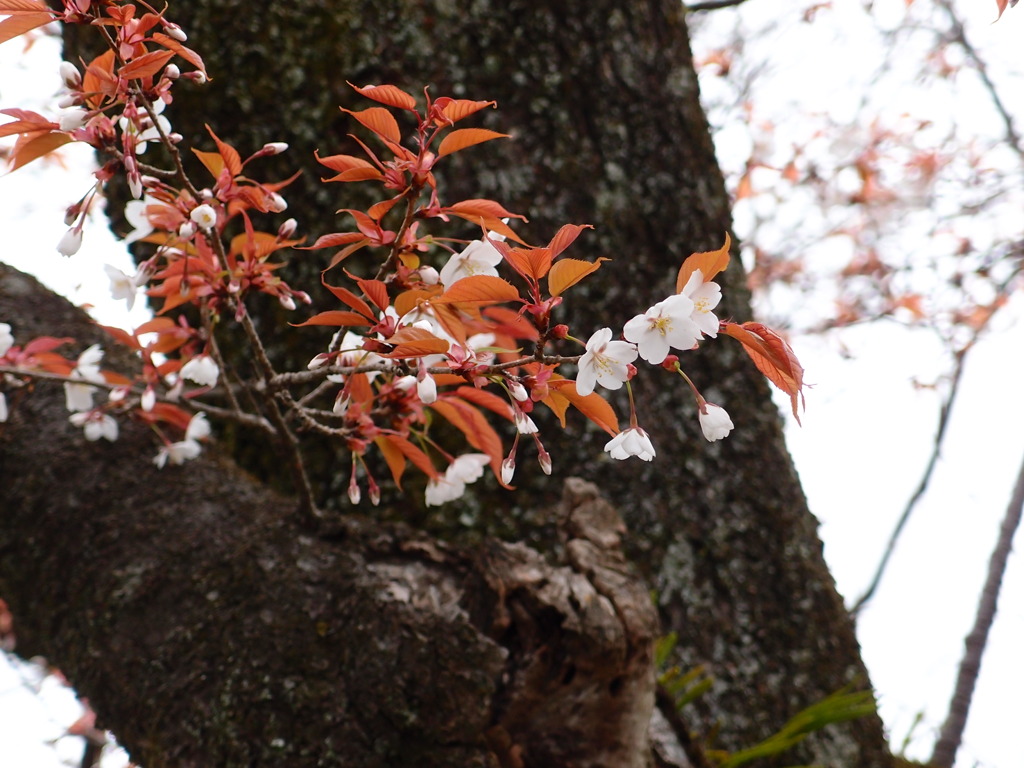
666,704
712,5
974,646
922,486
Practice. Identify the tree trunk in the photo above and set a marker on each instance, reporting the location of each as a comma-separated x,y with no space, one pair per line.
602,100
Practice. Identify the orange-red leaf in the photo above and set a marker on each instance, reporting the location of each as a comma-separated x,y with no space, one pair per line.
567,272
593,406
387,94
415,342
474,425
479,289
466,137
710,263
413,454
565,237
351,300
375,291
773,357
335,317
25,151
187,54
393,456
380,121
231,158
146,65
486,399
457,109
18,7
407,301
21,23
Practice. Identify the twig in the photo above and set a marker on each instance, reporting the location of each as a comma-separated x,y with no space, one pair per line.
713,5
974,646
666,704
922,486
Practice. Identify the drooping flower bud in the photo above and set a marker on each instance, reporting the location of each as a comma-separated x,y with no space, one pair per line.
71,242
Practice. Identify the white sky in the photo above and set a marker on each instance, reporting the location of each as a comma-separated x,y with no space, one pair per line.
866,436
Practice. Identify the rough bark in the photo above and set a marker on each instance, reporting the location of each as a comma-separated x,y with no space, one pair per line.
208,628
603,103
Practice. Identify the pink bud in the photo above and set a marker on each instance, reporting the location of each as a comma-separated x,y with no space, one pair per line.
173,30
275,147
171,72
508,469
354,494
276,203
545,461
287,229
70,75
71,242
287,302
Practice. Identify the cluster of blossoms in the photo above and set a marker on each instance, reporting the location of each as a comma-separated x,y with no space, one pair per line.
443,331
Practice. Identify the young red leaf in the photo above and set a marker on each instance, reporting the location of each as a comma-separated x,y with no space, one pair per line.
466,137
593,406
407,301
393,456
21,23
413,454
710,263
457,109
187,54
337,317
335,239
479,289
474,425
231,158
145,65
486,399
567,272
773,357
565,237
387,94
27,122
376,291
352,301
380,121
29,148
415,342
18,7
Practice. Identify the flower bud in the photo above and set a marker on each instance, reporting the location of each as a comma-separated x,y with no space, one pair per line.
287,229
186,230
544,458
72,120
374,493
275,147
71,242
518,391
354,494
148,399
429,275
508,469
68,100
173,30
560,331
171,72
70,75
319,361
287,302
276,203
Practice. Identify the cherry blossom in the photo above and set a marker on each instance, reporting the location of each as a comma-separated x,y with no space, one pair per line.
177,453
605,362
705,297
714,421
667,324
202,370
95,424
78,397
631,442
6,338
452,484
478,258
122,286
204,216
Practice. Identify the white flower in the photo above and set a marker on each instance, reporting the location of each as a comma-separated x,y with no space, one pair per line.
122,286
198,428
631,442
177,453
135,214
605,362
524,423
78,397
478,258
202,370
666,324
466,469
71,242
72,119
204,216
152,133
705,297
96,425
714,422
508,470
6,338
426,389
